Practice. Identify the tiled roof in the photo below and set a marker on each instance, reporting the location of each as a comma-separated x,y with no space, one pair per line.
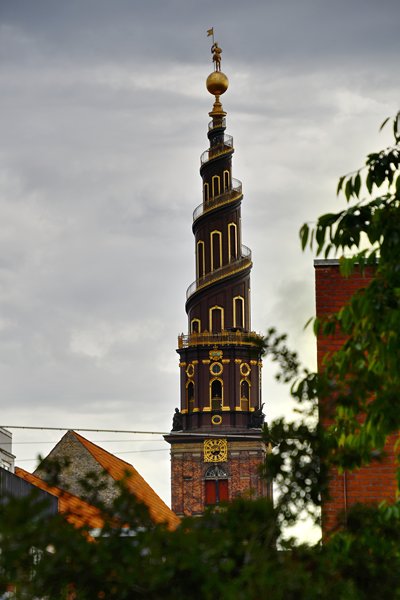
76,511
119,470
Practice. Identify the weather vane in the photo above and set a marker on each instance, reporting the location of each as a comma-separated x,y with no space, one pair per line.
216,51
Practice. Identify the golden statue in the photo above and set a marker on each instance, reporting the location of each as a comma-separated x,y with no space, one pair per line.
216,51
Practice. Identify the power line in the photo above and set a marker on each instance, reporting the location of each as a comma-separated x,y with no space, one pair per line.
143,451
84,429
127,452
203,435
131,441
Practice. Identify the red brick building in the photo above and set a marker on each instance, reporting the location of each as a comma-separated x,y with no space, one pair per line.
216,441
377,481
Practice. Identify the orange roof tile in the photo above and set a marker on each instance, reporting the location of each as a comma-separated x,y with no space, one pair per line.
77,512
119,470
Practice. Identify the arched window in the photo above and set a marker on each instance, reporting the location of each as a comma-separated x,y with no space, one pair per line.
216,186
244,395
232,241
206,192
226,181
238,312
200,260
195,326
216,391
216,485
190,396
216,249
216,319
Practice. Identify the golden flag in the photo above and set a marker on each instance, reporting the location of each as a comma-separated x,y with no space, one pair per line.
210,31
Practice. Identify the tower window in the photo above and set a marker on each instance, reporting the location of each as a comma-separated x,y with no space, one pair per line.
216,485
216,394
244,395
195,326
232,241
244,389
216,186
200,260
190,395
226,181
238,312
216,250
216,319
206,192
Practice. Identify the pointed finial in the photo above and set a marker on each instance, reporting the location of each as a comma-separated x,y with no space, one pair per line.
217,82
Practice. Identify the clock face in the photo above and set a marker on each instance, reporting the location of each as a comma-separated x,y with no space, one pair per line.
215,450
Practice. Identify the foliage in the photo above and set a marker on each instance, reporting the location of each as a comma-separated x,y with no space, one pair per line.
239,552
229,554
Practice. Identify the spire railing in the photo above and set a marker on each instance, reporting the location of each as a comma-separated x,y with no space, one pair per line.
217,124
228,196
217,150
222,338
236,265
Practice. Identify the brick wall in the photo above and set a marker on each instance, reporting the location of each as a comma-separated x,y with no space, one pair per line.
377,481
81,465
188,472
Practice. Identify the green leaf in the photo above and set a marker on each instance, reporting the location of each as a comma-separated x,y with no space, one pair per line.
310,320
384,123
340,184
357,184
348,190
369,181
304,234
316,326
398,185
396,127
328,249
312,238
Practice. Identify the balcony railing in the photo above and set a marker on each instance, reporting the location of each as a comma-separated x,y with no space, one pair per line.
238,264
217,150
216,124
228,196
223,338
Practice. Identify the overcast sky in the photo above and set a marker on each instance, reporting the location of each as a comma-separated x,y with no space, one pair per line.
103,118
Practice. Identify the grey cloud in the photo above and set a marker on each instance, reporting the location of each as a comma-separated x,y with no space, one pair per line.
290,31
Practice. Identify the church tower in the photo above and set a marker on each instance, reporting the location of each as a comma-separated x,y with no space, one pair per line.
216,441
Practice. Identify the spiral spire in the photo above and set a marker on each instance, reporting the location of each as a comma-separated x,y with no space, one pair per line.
220,356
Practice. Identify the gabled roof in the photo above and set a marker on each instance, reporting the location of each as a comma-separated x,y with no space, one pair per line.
119,470
76,511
